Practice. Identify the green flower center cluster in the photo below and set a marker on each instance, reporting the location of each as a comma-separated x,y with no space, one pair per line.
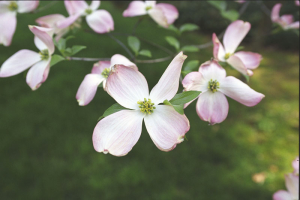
44,54
13,6
105,72
88,11
146,106
213,85
148,8
227,55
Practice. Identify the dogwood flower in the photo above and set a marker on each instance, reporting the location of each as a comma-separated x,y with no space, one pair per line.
99,20
162,13
8,17
39,62
292,185
285,21
59,23
211,80
297,2
100,72
242,61
118,133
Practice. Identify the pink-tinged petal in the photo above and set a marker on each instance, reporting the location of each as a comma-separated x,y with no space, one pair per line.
127,86
150,3
100,66
251,60
118,59
8,23
75,7
67,21
135,8
219,52
287,19
212,107
292,184
297,2
100,21
170,11
294,25
282,195
44,37
88,88
27,6
295,165
234,35
118,133
239,91
38,74
212,70
194,81
168,84
158,15
275,12
50,21
166,127
19,62
237,64
95,5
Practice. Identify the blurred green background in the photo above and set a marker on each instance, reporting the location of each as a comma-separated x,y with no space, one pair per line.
46,149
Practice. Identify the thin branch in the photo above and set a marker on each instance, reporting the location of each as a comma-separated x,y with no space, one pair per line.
122,45
264,8
45,7
136,24
88,59
154,60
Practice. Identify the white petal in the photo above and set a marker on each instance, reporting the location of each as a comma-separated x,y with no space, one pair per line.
100,21
239,91
19,62
212,107
38,74
95,5
27,6
212,70
292,184
168,84
237,64
166,127
118,59
8,23
158,15
135,8
127,86
118,133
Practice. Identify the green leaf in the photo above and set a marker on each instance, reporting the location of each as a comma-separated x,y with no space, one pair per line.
221,5
247,78
173,42
61,45
178,108
70,37
145,53
77,48
232,15
188,27
184,97
191,65
66,52
190,48
173,28
113,109
56,59
134,44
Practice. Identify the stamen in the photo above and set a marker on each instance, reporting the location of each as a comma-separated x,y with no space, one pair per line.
88,11
146,106
227,55
13,6
105,72
213,85
148,8
44,54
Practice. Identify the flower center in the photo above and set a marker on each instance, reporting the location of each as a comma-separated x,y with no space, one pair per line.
213,85
88,11
44,54
146,106
13,6
105,72
227,55
148,8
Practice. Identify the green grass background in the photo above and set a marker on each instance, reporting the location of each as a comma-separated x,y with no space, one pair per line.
46,149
